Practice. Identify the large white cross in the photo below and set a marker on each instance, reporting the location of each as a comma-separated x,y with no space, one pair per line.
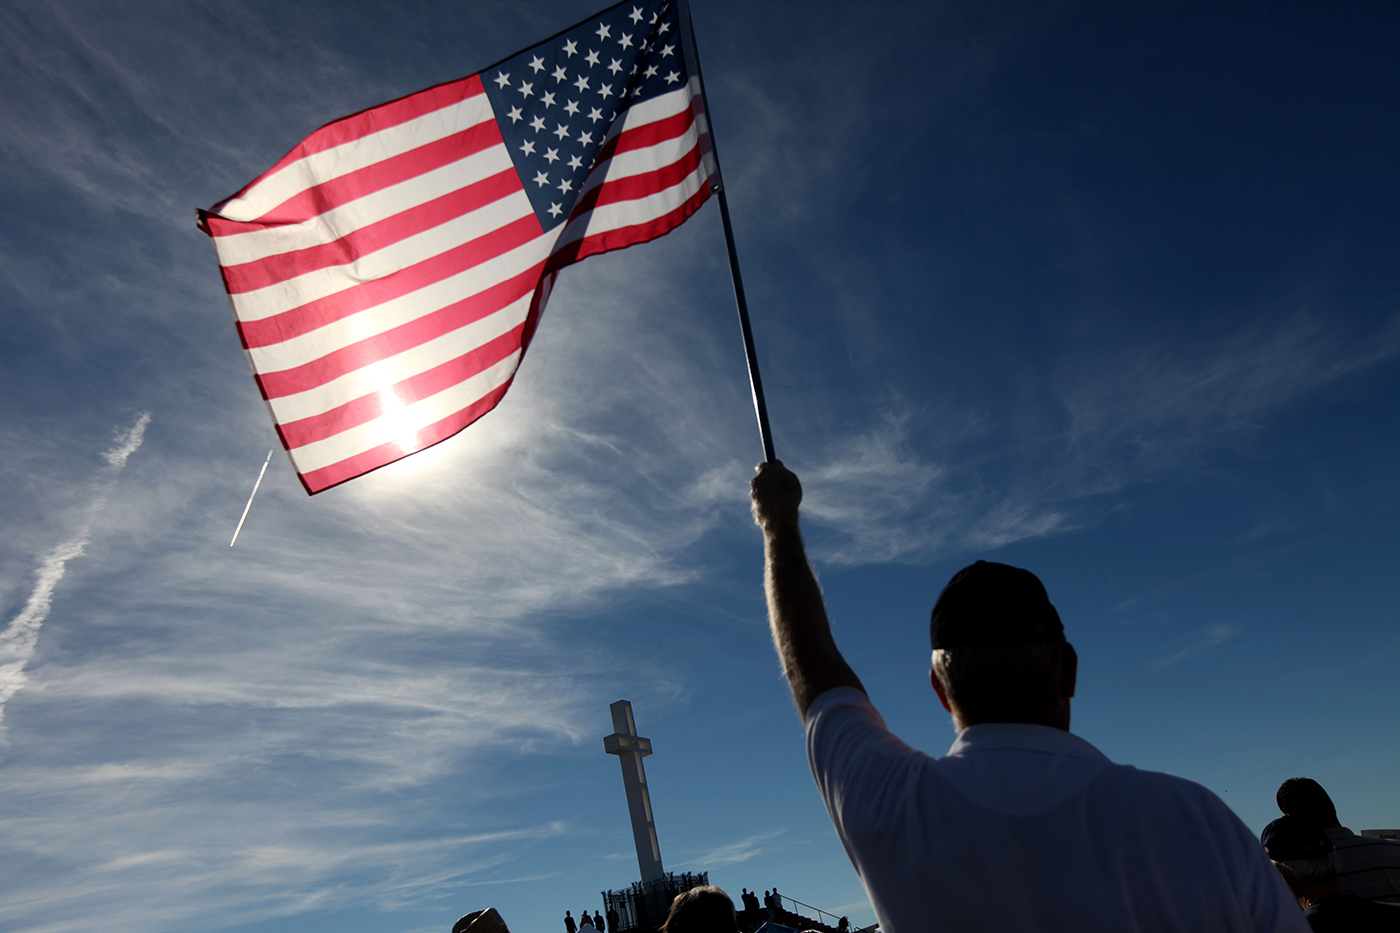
630,749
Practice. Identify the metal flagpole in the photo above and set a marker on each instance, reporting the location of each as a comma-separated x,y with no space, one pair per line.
717,187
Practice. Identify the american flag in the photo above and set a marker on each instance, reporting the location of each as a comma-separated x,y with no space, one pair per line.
387,274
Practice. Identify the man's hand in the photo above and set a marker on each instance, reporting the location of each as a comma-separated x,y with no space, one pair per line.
796,615
776,494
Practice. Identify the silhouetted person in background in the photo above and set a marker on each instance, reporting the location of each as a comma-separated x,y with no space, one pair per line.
585,921
598,921
612,920
1022,826
1368,868
569,926
1305,858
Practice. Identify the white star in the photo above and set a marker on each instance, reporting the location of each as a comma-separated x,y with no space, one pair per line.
502,79
605,90
559,74
528,147
591,57
571,108
585,138
650,72
636,15
626,41
515,114
634,69
672,78
665,27
604,30
566,185
537,124
570,48
561,131
555,210
652,21
551,156
615,66
527,88
537,63
541,179
666,52
582,83
595,114
575,162
548,98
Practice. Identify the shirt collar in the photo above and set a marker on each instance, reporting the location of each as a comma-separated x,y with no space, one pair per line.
1023,737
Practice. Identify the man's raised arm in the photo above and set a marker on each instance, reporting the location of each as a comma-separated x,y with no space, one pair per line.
796,614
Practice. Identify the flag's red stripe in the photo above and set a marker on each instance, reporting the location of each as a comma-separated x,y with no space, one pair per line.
374,120
260,273
631,187
621,237
366,408
396,340
306,318
385,454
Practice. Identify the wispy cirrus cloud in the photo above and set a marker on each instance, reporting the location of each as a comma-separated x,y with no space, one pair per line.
19,638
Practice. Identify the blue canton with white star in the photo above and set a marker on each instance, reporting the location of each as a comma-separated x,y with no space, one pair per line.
556,102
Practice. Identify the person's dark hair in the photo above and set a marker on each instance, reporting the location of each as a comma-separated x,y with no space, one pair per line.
1002,682
705,909
1304,798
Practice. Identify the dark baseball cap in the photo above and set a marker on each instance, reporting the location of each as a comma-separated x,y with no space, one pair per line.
989,602
1289,838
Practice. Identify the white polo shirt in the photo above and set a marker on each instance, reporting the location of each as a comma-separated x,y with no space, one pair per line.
1028,828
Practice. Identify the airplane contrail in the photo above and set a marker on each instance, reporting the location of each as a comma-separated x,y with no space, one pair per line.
19,638
250,498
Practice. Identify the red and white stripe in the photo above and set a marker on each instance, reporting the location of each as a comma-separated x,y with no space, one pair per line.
387,274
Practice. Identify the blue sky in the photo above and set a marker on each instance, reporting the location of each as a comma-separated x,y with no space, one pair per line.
1110,292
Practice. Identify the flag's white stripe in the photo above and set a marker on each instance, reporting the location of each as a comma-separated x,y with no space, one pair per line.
326,228
396,312
657,108
315,169
395,369
402,422
636,211
295,292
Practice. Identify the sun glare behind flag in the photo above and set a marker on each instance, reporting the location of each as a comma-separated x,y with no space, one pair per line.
387,274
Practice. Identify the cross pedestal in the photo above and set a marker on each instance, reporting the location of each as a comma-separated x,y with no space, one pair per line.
630,749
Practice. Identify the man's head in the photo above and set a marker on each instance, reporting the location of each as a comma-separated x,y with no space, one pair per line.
702,910
1303,855
999,649
1305,799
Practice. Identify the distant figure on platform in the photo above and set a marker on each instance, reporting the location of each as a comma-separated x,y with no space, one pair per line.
586,921
1369,868
701,910
777,907
1022,826
750,900
569,926
1305,858
597,921
612,920
843,925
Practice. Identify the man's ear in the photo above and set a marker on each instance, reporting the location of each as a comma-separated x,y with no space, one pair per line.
938,689
1069,670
